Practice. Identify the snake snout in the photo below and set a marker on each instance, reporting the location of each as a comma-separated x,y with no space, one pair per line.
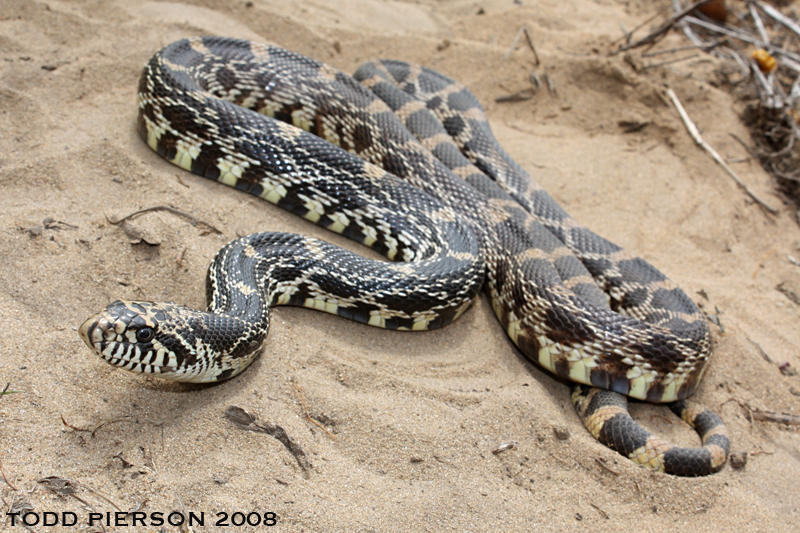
87,326
105,326
92,331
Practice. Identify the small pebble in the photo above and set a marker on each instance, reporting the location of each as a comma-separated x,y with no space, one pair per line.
505,446
561,433
738,460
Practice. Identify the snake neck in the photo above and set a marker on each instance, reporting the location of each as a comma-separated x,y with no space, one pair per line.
233,340
236,322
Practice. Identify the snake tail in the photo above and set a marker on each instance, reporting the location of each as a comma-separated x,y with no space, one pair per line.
605,415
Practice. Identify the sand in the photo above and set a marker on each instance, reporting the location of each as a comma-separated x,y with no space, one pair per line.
410,420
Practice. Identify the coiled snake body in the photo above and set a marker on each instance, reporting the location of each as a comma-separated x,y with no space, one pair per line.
445,199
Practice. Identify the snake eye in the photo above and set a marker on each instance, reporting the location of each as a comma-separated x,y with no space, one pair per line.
145,334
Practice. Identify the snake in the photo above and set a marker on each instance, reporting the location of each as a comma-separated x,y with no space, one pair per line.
401,159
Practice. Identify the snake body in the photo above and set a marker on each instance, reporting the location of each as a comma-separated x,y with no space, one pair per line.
445,200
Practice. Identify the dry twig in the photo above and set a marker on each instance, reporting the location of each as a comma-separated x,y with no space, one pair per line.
604,465
661,30
705,47
522,31
93,431
777,15
303,399
669,62
762,31
602,512
519,96
169,209
626,35
695,133
738,34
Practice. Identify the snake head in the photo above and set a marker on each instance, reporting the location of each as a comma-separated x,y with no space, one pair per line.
168,340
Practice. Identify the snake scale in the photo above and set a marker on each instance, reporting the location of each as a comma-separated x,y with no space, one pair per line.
403,161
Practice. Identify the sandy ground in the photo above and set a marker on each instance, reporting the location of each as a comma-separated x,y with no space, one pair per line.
411,419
